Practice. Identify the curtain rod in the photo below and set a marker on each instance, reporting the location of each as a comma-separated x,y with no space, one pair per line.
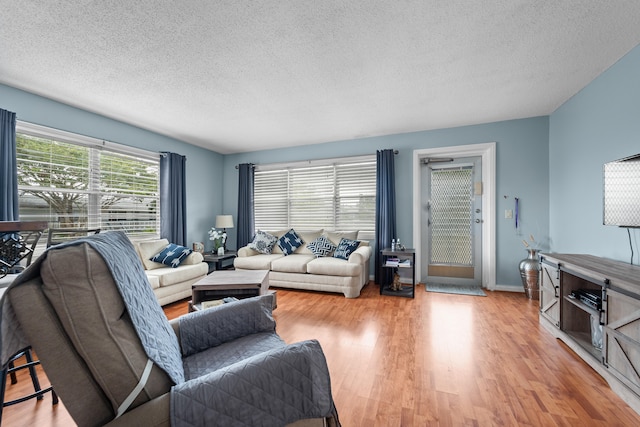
252,164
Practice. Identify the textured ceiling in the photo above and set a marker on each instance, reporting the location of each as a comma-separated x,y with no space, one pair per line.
241,75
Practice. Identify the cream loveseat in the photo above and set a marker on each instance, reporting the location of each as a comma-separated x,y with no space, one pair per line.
302,269
170,284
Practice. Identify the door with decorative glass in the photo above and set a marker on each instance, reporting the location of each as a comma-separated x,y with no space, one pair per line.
452,221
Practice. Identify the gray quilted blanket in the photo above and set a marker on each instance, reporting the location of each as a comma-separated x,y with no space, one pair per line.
272,388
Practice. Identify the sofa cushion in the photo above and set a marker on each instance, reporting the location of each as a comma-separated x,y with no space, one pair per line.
263,242
227,353
308,236
154,281
329,266
172,255
171,276
345,248
78,283
295,263
305,235
289,242
147,249
321,246
256,262
277,234
336,236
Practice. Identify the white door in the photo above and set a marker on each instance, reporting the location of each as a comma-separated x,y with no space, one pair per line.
451,220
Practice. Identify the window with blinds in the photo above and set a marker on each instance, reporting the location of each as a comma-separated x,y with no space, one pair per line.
336,196
83,184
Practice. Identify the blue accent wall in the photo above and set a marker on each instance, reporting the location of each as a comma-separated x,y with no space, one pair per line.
553,164
521,171
599,124
204,167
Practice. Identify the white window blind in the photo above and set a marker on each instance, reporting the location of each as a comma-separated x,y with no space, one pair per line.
73,181
335,195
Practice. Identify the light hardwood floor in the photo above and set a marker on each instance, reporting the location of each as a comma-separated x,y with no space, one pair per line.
441,360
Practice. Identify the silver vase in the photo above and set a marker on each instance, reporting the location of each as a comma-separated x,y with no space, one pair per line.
529,272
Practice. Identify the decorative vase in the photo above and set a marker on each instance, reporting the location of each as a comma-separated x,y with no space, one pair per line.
217,244
220,251
529,272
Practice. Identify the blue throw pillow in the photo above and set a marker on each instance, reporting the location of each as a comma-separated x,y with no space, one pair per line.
289,242
345,248
321,247
172,255
263,242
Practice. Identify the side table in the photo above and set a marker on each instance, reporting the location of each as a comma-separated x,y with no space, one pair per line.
219,262
402,263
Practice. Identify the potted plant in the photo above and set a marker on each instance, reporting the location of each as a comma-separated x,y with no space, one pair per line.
219,238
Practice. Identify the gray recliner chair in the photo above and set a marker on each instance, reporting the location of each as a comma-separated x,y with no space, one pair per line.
114,359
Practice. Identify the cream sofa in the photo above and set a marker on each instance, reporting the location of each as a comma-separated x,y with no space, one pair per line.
303,270
170,284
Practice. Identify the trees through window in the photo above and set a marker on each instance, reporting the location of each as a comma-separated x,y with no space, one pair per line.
73,181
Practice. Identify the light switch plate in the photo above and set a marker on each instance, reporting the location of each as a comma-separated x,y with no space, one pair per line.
508,213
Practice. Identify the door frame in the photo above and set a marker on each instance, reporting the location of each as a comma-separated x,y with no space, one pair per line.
487,153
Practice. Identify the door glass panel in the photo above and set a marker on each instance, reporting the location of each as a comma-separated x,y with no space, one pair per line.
451,203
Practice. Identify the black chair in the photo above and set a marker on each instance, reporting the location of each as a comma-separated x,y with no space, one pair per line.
18,241
62,235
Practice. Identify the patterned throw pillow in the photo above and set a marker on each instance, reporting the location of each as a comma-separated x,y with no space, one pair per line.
289,242
263,242
172,255
321,247
345,248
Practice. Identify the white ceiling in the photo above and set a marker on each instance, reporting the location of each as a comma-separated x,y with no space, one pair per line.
243,75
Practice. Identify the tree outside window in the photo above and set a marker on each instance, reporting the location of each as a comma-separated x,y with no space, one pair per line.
76,186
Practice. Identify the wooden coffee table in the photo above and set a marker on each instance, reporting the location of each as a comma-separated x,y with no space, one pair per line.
229,283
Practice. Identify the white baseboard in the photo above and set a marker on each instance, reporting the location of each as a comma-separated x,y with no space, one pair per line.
500,288
508,288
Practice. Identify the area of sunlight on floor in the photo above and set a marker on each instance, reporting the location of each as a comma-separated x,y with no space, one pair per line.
452,328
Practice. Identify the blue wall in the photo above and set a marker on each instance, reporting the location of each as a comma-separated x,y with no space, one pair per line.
553,164
599,124
204,167
521,171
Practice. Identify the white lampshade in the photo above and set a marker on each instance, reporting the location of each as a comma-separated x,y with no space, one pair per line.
224,221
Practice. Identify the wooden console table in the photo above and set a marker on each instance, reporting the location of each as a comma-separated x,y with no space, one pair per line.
615,354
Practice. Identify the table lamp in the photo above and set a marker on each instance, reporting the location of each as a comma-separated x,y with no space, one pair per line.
224,222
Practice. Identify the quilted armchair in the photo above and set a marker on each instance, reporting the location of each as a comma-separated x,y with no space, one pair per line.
114,359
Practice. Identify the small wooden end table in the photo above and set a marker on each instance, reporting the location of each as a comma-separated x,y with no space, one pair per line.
219,262
229,283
